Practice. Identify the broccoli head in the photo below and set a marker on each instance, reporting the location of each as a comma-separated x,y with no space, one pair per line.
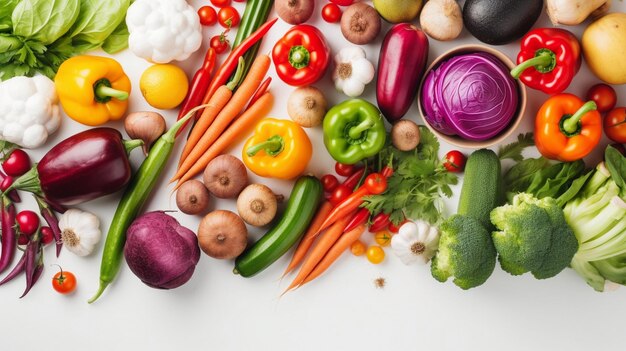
533,237
466,252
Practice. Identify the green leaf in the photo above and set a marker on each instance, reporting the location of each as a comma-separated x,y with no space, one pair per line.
573,190
96,21
519,177
555,179
118,40
6,10
616,164
44,20
514,150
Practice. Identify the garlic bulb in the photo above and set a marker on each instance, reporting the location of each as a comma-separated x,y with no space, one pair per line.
80,231
415,242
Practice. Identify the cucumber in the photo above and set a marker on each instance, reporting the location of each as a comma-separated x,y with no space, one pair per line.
303,202
482,186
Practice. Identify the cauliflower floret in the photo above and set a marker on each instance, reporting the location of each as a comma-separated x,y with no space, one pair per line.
29,110
163,30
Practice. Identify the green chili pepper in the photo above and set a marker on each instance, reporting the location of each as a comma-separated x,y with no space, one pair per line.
354,130
133,200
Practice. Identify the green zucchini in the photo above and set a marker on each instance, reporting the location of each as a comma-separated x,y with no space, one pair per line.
482,186
303,202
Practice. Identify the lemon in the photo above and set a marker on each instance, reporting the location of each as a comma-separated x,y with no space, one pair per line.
164,86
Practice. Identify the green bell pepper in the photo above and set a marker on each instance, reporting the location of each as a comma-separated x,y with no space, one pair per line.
354,130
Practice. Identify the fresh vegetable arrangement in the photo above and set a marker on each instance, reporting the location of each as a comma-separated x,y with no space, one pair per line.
536,215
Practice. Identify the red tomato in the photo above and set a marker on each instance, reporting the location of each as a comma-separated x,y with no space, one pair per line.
615,125
46,235
228,17
376,183
339,194
343,2
220,3
17,163
344,170
64,282
604,96
208,16
454,161
28,222
329,182
219,43
331,13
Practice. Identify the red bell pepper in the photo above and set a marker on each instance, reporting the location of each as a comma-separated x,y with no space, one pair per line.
549,59
301,56
380,222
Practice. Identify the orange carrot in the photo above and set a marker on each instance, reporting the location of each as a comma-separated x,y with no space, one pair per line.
216,104
333,254
260,108
326,241
259,68
307,239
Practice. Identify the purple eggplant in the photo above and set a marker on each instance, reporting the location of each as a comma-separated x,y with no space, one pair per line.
13,195
401,66
9,239
52,221
80,168
19,268
33,263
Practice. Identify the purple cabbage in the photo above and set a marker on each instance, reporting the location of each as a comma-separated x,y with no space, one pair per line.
161,252
471,95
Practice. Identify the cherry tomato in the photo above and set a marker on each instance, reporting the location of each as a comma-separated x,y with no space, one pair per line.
17,163
64,282
375,254
454,161
220,3
344,170
28,222
6,183
331,13
208,16
604,96
22,239
383,238
357,248
329,182
46,235
343,2
376,183
220,44
339,194
615,125
228,17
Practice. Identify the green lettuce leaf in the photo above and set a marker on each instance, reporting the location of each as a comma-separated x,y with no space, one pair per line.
44,21
118,40
96,21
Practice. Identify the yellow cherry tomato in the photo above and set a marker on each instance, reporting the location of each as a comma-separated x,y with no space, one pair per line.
383,238
375,254
357,248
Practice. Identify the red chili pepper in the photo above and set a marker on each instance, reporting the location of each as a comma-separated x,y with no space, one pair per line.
549,59
387,172
199,84
380,222
301,56
352,181
359,218
231,62
260,91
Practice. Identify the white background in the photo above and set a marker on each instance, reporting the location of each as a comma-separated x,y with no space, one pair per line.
342,310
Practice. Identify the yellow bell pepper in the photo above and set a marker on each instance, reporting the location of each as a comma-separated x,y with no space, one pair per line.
278,149
92,89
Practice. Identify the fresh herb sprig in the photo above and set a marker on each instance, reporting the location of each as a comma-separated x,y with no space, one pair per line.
419,182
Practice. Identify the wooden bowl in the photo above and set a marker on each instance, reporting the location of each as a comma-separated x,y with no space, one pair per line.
455,139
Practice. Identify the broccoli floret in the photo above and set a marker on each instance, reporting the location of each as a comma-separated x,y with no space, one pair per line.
533,237
466,252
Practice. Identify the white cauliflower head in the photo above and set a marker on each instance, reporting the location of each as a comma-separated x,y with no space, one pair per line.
163,30
29,110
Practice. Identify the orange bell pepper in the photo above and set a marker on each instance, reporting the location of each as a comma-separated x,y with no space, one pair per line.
278,149
566,128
